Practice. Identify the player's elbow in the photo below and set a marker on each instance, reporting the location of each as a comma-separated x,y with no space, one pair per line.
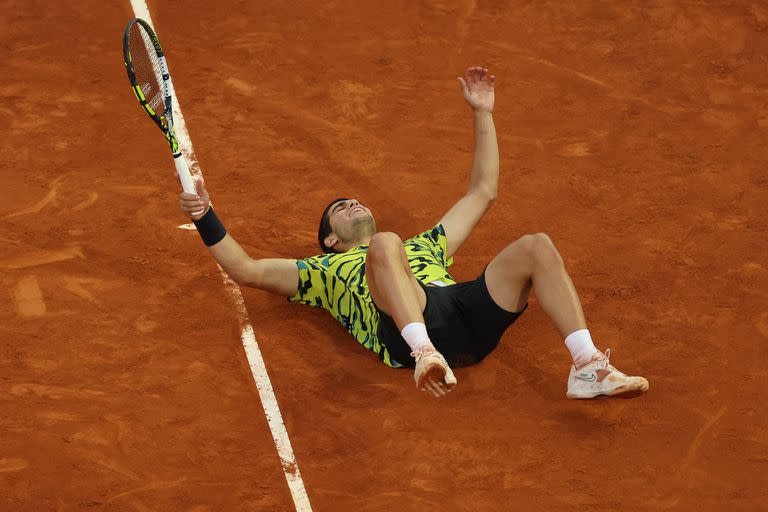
241,279
246,274
485,190
488,194
237,276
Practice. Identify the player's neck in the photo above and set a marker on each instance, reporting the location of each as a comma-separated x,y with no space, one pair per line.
365,240
357,242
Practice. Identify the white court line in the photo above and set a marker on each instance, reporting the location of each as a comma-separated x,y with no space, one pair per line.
256,362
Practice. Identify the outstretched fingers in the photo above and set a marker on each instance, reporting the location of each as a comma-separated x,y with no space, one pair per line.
477,87
477,76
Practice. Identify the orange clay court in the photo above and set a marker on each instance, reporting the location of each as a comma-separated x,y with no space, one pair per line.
632,133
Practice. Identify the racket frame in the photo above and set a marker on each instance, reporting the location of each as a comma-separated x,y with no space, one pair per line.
164,122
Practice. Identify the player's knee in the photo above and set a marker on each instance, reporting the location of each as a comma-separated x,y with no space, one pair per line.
384,245
544,249
539,249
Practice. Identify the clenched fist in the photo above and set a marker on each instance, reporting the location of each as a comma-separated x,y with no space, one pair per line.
195,205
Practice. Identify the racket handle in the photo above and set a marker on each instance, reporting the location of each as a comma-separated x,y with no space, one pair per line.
184,176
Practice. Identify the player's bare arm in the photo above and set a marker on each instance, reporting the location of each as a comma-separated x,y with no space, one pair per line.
477,86
276,275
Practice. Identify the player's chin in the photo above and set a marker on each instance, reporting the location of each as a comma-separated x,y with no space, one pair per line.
363,220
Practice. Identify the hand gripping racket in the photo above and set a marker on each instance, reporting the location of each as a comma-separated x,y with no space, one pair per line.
151,83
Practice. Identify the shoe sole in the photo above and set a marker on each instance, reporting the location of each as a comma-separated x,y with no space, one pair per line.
437,375
627,391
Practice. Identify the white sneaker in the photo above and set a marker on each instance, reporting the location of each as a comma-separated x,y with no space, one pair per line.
599,377
432,374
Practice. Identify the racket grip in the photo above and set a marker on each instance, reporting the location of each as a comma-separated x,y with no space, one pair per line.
184,175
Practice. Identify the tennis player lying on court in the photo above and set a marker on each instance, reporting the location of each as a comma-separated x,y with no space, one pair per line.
397,298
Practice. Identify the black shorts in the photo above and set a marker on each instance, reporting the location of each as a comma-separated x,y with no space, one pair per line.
463,322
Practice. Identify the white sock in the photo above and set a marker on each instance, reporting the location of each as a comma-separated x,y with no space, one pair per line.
415,335
580,345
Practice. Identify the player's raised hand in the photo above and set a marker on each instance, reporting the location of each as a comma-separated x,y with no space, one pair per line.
195,205
477,87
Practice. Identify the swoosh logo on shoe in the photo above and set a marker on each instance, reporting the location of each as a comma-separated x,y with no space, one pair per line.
585,378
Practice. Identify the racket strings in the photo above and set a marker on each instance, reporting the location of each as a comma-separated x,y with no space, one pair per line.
148,69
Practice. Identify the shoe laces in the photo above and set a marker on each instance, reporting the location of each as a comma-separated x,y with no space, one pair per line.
605,362
421,352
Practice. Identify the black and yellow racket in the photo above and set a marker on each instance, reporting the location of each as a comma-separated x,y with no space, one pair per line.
151,83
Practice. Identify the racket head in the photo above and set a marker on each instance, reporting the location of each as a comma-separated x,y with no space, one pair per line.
149,76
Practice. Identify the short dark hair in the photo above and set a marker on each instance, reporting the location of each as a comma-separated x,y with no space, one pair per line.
325,226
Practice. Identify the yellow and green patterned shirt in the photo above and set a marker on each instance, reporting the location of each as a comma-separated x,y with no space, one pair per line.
336,283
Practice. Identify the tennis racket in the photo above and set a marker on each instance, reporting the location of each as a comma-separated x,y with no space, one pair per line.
151,83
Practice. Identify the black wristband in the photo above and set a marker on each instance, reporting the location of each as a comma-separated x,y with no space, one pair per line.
210,228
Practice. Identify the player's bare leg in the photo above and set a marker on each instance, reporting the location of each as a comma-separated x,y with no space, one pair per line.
532,262
395,290
393,286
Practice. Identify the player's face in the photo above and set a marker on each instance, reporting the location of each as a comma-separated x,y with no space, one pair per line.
350,218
